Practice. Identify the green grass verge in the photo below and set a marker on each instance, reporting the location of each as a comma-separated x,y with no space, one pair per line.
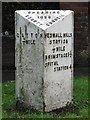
78,109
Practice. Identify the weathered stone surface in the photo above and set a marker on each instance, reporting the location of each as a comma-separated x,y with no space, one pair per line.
44,58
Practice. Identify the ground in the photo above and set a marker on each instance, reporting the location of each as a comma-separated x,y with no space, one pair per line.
78,109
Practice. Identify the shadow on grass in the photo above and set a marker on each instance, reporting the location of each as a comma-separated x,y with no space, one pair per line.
71,108
21,109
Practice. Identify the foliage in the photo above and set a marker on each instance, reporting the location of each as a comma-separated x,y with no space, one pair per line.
78,109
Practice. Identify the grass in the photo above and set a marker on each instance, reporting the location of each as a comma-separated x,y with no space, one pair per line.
78,109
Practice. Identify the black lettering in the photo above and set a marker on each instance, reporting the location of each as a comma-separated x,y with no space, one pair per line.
41,17
46,12
59,18
29,17
53,50
53,20
54,35
54,69
70,67
29,12
42,12
45,64
53,56
50,22
23,42
33,42
52,63
59,35
66,55
33,12
57,55
38,12
49,17
57,12
26,41
45,17
70,54
36,35
50,35
50,42
47,35
56,41
66,41
63,48
22,35
47,24
53,41
41,24
67,34
61,55
59,41
45,57
70,34
61,67
53,12
35,21
32,19
56,63
67,67
56,48
48,56
17,34
41,35
31,34
26,15
64,35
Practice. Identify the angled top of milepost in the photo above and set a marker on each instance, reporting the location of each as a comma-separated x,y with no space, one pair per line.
43,18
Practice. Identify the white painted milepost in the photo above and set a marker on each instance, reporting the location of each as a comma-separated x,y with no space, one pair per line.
44,58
